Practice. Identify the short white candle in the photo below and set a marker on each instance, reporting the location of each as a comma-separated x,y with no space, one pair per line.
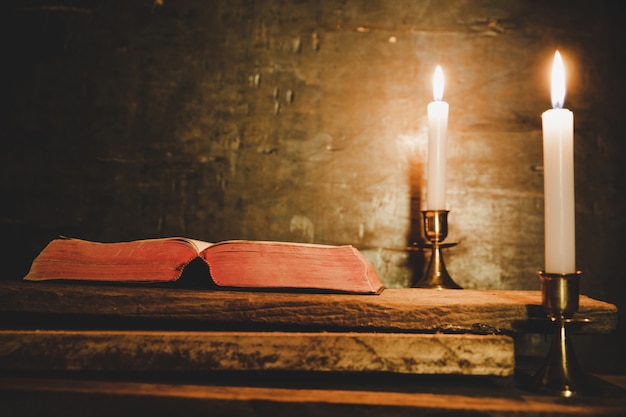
437,142
558,163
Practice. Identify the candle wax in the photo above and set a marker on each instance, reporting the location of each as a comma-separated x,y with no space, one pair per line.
437,144
558,154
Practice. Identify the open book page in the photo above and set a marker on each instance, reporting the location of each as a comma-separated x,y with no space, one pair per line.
264,264
200,245
150,260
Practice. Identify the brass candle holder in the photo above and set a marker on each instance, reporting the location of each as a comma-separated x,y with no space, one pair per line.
436,231
561,373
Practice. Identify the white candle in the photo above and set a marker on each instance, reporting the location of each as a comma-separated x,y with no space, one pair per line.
558,163
437,140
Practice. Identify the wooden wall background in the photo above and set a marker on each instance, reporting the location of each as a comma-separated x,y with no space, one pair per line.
306,121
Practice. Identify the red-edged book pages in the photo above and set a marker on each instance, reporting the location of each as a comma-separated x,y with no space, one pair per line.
234,263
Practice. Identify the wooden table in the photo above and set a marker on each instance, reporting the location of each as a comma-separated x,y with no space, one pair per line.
97,349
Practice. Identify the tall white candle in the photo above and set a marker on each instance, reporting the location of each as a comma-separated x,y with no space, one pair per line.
437,142
558,163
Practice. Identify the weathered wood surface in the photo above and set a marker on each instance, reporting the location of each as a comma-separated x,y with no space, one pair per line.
395,310
201,352
36,397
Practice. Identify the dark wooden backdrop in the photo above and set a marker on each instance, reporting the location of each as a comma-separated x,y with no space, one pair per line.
306,121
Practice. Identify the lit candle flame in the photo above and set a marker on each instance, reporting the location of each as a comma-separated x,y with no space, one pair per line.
558,82
438,84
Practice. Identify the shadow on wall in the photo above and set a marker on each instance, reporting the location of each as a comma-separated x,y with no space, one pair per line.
415,235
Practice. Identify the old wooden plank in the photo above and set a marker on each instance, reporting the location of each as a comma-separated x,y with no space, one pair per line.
25,304
39,396
173,351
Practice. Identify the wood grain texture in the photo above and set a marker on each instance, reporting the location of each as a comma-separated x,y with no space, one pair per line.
406,310
202,352
35,397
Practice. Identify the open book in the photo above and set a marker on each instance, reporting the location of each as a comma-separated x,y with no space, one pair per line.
234,263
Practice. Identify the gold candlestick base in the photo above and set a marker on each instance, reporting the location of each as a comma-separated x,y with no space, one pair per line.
436,231
561,374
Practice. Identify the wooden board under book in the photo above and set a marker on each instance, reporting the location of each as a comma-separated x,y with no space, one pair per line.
54,305
202,352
